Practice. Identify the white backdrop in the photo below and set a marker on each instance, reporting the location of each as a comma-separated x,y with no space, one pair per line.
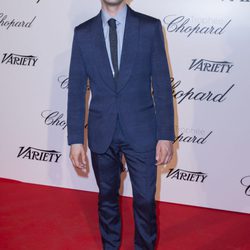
208,49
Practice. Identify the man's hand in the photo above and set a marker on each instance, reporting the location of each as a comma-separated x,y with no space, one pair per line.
78,156
164,152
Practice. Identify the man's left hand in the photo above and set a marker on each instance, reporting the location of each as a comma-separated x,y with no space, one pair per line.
164,152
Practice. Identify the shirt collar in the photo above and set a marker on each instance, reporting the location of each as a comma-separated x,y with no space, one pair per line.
120,17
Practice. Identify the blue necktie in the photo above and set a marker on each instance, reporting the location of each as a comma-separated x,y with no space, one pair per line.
113,45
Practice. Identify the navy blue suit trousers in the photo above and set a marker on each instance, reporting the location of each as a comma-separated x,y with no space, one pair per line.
142,170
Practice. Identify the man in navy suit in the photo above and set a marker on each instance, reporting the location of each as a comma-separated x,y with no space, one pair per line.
121,52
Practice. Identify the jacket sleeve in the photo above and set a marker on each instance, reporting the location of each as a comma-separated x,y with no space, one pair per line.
162,91
76,95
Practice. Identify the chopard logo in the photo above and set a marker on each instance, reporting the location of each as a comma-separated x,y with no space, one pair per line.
39,154
241,1
54,118
64,81
211,66
8,23
192,94
185,175
22,60
182,24
193,138
245,181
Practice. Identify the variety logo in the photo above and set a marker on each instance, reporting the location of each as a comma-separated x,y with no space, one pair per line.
39,154
13,23
54,118
192,94
182,24
22,60
185,175
245,181
211,66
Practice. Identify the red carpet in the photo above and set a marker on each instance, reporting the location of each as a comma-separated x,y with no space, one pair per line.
36,217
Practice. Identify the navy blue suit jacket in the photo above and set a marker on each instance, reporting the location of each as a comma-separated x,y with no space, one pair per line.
145,118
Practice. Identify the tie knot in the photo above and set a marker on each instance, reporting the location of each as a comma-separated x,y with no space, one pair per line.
112,23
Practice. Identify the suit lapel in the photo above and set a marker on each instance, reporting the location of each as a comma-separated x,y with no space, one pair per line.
130,44
101,54
129,49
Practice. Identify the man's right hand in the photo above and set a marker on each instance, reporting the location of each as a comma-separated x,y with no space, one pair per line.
78,156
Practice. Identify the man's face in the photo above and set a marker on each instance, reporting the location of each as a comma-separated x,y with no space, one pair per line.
113,2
